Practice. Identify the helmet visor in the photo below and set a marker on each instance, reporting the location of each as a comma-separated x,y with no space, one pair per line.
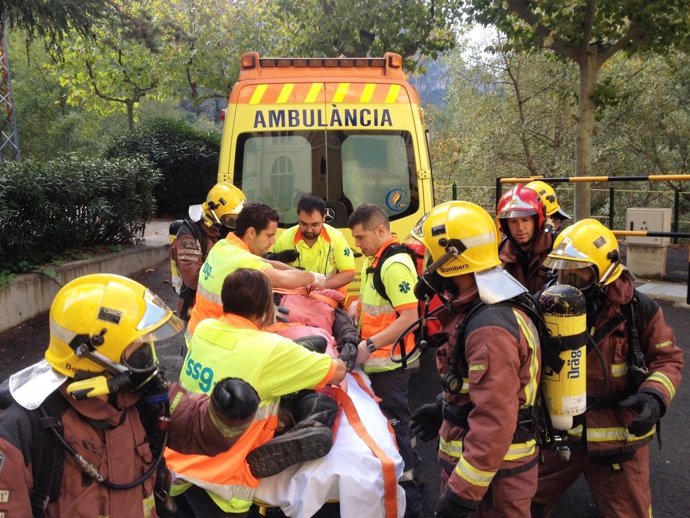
155,314
517,213
140,357
229,220
566,257
581,278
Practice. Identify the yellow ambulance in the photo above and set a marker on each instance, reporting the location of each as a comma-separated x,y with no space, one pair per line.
348,129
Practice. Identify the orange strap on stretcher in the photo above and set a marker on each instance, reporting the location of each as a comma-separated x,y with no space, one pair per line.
387,466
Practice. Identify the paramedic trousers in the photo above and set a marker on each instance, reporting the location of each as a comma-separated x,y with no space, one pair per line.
392,388
619,490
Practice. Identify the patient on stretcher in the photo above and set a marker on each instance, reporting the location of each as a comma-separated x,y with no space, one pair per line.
362,468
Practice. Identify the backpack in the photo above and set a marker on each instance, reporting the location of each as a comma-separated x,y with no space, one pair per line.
390,251
48,450
173,230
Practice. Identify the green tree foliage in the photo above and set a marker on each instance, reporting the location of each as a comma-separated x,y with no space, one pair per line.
48,126
51,19
413,28
117,67
506,114
588,33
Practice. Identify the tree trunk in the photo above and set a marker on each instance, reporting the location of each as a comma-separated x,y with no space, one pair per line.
130,114
589,69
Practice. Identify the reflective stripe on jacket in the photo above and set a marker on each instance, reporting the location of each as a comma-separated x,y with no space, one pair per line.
500,377
606,424
225,257
378,313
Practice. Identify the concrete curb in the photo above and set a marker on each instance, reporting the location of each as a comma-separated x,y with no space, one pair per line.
31,294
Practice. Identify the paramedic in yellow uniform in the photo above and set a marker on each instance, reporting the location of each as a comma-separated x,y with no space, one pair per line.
381,321
322,248
224,485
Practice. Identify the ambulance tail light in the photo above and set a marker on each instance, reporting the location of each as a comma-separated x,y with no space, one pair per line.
222,114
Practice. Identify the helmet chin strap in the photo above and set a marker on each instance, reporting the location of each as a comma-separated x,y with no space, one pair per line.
110,366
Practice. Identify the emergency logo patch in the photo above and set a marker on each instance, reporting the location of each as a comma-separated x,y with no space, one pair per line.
404,287
206,270
397,200
347,252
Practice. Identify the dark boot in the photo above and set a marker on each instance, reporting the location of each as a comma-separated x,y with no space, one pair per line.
311,438
301,444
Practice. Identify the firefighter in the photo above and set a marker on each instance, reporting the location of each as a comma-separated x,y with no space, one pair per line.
195,237
318,246
254,234
521,217
489,361
555,216
381,320
85,432
633,371
234,345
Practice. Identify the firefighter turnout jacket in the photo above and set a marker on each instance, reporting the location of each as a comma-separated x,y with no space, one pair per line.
113,439
605,424
527,266
500,370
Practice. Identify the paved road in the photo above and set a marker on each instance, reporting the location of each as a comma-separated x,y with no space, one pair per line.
670,466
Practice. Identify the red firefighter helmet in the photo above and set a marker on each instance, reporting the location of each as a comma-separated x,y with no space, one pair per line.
519,202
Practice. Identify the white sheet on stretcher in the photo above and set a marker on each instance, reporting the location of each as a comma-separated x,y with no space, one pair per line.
350,473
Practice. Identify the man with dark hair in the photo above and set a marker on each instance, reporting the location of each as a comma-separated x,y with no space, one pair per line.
255,233
279,369
381,320
318,246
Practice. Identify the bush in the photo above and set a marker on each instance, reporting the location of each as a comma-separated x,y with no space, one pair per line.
186,157
49,208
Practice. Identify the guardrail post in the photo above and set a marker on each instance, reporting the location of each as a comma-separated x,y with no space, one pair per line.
611,209
676,213
499,191
454,192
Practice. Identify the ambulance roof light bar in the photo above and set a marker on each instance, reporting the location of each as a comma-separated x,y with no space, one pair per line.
252,62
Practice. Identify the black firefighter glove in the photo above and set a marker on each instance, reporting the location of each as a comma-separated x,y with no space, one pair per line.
348,353
427,419
648,411
448,507
286,256
235,399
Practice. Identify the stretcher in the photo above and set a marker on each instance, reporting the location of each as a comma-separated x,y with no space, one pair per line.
362,469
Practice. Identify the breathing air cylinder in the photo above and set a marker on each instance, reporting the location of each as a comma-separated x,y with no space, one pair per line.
564,379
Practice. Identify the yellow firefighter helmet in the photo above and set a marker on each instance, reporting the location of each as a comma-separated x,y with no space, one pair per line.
222,206
461,237
110,315
548,197
587,243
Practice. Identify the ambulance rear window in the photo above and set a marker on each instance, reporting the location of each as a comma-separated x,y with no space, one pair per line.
347,168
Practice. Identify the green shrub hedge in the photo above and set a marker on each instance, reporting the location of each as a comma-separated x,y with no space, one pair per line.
186,157
47,208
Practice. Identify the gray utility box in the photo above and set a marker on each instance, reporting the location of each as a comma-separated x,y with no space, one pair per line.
652,220
646,256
